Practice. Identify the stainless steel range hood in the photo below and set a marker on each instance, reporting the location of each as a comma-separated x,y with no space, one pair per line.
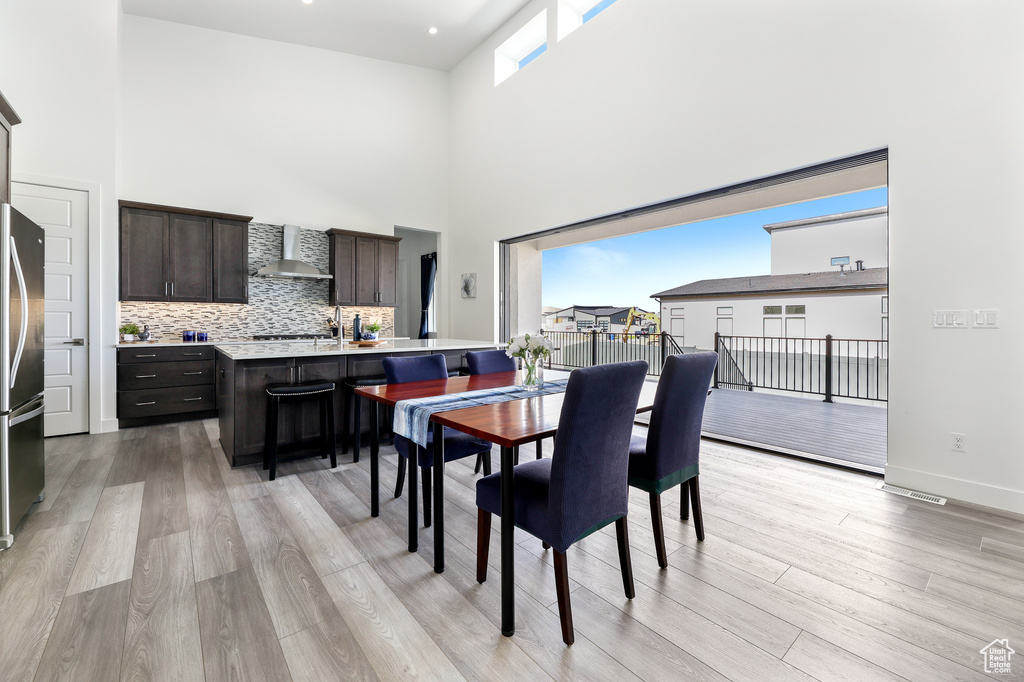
290,267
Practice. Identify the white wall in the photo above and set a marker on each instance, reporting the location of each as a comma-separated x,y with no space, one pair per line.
850,315
58,69
281,132
810,248
660,98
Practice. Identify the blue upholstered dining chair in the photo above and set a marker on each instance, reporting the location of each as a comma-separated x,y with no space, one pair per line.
490,362
456,444
669,455
582,488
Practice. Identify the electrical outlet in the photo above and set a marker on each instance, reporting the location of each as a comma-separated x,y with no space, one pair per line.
958,442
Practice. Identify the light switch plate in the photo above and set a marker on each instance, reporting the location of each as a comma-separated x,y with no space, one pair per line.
949,319
986,318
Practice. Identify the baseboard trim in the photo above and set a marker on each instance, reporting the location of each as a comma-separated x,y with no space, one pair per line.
108,425
982,494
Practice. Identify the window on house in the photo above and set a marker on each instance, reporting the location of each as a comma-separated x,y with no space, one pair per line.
523,47
725,310
772,310
796,310
574,13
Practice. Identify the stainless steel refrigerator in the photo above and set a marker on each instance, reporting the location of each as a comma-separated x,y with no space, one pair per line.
22,306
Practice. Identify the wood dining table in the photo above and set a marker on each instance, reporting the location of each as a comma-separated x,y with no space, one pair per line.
509,425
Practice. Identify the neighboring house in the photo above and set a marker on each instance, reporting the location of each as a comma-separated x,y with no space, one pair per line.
548,316
829,276
584,318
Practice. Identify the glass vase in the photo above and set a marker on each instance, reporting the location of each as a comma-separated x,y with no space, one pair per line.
533,373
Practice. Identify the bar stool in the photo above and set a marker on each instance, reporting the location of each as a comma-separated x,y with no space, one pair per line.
323,392
350,384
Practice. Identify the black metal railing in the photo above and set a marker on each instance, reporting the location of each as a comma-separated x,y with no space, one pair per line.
585,349
847,368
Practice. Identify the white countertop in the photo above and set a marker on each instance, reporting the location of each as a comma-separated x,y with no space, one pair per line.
292,349
233,342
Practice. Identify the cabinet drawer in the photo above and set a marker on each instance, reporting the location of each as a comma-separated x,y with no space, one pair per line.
153,403
165,354
144,375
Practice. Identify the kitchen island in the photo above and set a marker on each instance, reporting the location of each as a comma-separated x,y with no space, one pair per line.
243,372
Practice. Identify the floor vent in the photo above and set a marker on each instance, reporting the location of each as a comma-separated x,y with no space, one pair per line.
934,499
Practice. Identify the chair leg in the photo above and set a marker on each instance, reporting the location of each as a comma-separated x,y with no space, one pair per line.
486,458
698,518
562,590
401,476
483,543
622,535
545,545
357,427
684,501
540,449
332,436
322,408
659,530
479,463
271,453
425,475
345,433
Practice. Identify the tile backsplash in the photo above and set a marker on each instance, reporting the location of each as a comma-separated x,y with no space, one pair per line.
276,306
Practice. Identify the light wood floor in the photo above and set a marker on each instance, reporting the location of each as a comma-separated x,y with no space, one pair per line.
151,559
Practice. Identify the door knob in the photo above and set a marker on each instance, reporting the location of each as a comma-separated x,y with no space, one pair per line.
75,342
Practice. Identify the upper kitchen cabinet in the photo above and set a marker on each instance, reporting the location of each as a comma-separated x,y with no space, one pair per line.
8,119
365,268
230,261
176,254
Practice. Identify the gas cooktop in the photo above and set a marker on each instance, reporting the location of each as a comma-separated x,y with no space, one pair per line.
289,337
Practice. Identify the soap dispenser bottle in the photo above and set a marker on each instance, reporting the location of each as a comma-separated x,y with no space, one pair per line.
357,329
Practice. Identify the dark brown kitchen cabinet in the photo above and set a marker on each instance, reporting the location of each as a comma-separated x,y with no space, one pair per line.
365,268
190,258
164,384
177,254
230,261
8,119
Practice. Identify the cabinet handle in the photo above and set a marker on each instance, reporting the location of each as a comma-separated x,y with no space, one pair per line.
300,374
172,288
145,376
151,355
190,374
185,354
153,402
191,399
165,288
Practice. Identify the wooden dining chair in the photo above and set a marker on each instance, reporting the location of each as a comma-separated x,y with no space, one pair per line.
670,454
456,444
582,488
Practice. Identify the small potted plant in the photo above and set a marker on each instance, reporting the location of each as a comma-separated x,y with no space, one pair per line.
372,330
128,331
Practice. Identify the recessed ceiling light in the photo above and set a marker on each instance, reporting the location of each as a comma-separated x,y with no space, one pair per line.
307,2
432,30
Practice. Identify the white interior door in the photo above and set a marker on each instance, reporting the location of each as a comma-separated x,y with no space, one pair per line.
64,215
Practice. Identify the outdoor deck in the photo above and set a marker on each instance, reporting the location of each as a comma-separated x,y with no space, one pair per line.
850,435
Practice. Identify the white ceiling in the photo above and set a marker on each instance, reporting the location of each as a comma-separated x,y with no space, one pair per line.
393,30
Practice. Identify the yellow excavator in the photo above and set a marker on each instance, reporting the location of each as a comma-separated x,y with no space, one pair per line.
646,323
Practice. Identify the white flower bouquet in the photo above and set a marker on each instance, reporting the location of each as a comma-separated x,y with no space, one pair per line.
532,349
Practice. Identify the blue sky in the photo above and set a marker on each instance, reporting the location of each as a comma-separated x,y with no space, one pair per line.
625,271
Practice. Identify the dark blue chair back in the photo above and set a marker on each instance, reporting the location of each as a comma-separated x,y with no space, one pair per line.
673,439
415,368
489,362
589,466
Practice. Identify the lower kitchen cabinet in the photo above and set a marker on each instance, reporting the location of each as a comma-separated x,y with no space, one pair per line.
164,384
